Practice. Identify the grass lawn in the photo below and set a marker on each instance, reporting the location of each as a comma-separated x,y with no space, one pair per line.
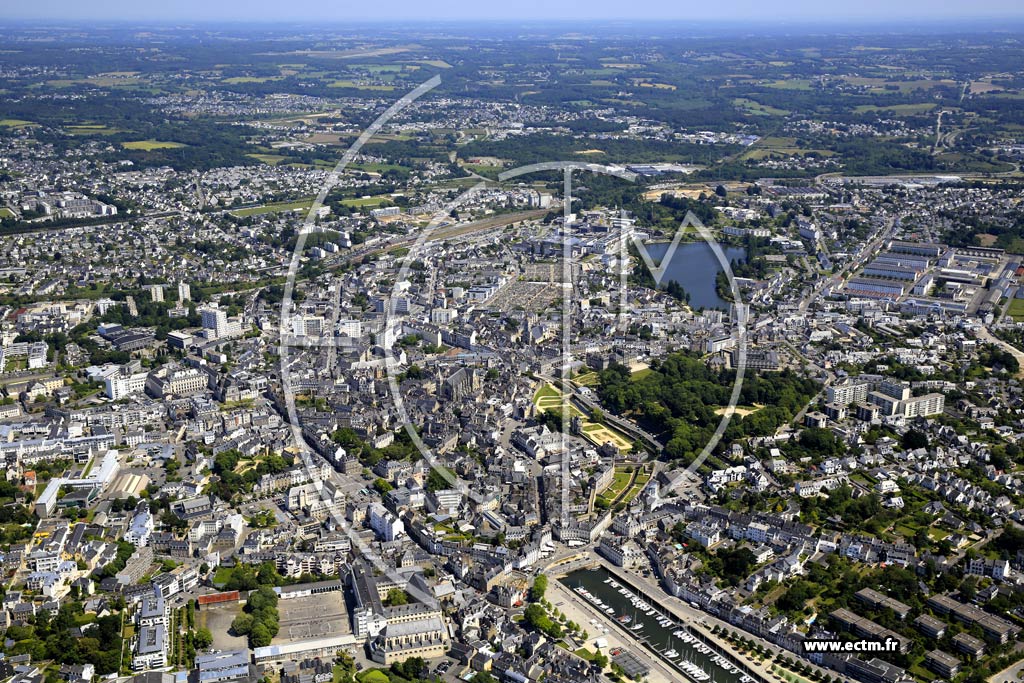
788,675
862,479
15,123
548,397
599,434
545,391
222,575
619,483
6,213
640,374
587,379
373,676
300,205
149,145
364,201
1016,309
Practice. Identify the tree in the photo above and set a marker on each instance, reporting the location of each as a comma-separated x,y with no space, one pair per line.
260,636
203,639
540,586
242,624
395,597
914,439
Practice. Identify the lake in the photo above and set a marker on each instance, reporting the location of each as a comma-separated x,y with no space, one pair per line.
694,266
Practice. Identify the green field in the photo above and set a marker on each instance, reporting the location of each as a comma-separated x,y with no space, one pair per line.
15,123
922,108
251,79
790,84
359,86
269,159
754,107
149,145
5,212
785,146
365,201
1016,309
300,205
92,129
545,391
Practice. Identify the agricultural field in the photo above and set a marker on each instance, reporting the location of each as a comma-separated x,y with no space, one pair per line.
92,129
898,109
269,159
779,146
150,145
361,86
755,107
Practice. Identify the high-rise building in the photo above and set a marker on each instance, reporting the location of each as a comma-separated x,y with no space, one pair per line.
215,320
307,325
184,292
848,392
156,292
350,328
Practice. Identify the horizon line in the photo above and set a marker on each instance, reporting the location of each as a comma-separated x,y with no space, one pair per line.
891,22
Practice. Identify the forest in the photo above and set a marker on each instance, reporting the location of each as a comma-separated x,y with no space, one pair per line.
678,398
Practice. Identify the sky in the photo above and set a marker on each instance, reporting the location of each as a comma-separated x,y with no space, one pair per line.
343,11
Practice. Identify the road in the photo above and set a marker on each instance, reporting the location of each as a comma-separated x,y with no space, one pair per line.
700,621
587,405
584,614
865,252
1012,673
986,335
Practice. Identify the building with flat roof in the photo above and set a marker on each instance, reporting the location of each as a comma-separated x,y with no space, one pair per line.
218,667
942,663
304,649
873,598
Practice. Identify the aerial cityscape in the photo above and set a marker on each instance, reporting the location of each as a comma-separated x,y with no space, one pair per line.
510,352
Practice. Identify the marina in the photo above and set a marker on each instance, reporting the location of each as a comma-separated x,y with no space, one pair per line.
654,627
